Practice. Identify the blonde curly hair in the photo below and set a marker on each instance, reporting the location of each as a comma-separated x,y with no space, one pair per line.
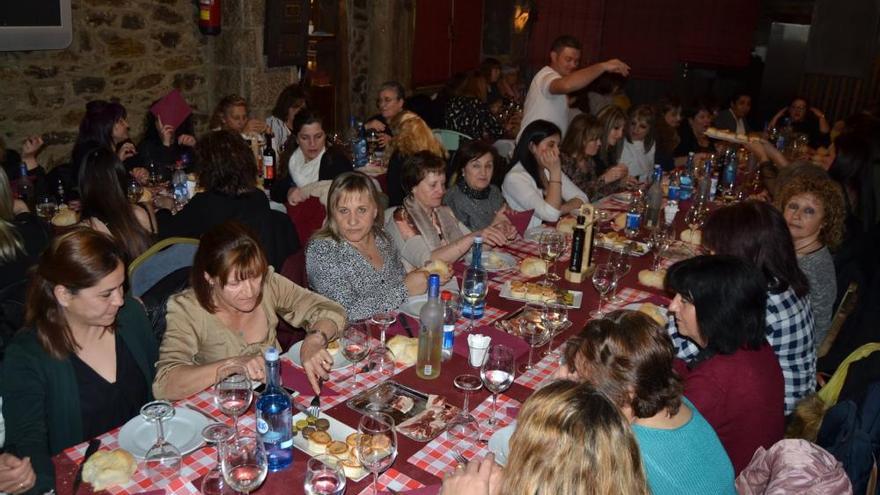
411,135
829,194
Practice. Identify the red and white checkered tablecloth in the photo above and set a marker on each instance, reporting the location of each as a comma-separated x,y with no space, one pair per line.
540,372
436,456
611,203
627,296
393,479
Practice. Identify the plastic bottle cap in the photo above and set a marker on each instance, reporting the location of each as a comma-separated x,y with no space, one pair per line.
446,295
271,354
478,238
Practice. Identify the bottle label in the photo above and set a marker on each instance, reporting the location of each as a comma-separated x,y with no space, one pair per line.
673,193
427,370
633,220
262,426
448,336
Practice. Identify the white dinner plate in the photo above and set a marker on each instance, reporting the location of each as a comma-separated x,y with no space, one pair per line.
184,431
413,305
499,443
337,431
496,261
339,360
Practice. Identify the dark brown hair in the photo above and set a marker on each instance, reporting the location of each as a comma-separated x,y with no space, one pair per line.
77,260
628,357
418,166
565,41
227,249
226,163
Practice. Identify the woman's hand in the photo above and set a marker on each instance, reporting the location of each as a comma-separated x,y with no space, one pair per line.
614,173
186,140
549,159
818,113
255,366
254,126
316,360
375,125
494,236
16,475
385,139
295,196
166,132
477,478
126,151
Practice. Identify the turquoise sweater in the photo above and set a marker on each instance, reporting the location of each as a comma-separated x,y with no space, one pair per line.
41,397
688,459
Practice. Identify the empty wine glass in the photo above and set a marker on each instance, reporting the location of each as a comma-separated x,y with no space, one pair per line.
533,330
213,482
384,320
556,318
474,288
244,462
134,191
660,240
46,207
162,460
497,373
604,279
324,476
620,261
233,392
552,244
355,343
376,446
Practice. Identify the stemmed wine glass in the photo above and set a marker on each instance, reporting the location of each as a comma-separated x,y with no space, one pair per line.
620,261
244,462
376,446
134,191
464,429
660,240
556,319
213,482
233,392
497,374
162,460
324,476
356,344
552,244
604,279
384,320
474,289
533,330
46,207
382,357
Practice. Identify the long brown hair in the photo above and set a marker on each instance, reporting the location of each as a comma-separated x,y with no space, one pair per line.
571,439
77,260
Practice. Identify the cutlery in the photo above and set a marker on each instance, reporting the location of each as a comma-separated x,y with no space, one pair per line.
94,445
314,409
203,413
405,322
460,459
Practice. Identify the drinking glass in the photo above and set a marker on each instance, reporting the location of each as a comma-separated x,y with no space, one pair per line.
533,330
324,476
134,191
497,373
154,178
244,462
556,318
552,244
162,460
660,240
46,207
233,392
384,320
474,289
213,482
376,446
620,261
463,432
604,279
356,344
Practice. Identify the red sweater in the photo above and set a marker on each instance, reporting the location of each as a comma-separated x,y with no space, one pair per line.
742,396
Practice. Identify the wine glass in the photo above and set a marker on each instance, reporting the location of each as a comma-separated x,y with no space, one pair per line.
556,318
46,207
244,462
154,174
473,290
533,330
233,392
324,476
213,482
552,243
384,320
497,374
382,357
660,240
376,446
162,460
604,279
134,191
620,261
355,344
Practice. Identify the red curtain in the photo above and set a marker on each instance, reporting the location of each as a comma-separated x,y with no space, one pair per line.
551,18
643,34
717,32
430,63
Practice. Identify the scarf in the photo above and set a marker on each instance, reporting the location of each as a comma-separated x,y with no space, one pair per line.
423,222
471,192
304,173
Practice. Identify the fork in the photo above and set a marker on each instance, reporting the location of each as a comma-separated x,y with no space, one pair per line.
462,461
314,409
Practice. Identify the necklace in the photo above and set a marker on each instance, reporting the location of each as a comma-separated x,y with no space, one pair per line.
471,192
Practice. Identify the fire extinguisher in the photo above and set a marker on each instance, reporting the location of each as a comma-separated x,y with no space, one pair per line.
209,16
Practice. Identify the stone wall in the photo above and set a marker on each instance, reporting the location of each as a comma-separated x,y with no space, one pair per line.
133,51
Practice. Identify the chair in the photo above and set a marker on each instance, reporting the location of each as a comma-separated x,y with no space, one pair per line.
846,306
451,140
162,259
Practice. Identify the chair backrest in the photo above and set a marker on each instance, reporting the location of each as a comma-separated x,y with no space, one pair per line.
451,140
846,306
163,258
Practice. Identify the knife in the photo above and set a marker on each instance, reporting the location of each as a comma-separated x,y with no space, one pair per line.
405,322
94,445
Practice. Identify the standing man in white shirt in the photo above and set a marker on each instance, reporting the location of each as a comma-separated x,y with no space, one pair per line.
734,118
547,98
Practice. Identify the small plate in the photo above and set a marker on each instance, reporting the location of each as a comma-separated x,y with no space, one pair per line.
496,261
337,431
184,431
534,234
413,305
339,360
623,197
499,443
577,296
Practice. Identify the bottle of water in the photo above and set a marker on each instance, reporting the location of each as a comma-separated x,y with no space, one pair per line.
655,199
633,217
25,188
674,193
358,142
686,182
728,178
430,332
450,316
274,418
178,181
476,262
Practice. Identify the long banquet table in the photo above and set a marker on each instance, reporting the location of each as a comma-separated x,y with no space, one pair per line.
417,464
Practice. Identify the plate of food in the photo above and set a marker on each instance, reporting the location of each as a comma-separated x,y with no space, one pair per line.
389,397
516,290
339,360
622,197
426,425
614,241
184,431
496,261
680,250
327,435
731,137
413,305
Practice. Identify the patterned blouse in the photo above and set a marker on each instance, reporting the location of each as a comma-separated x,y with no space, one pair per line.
340,272
471,116
587,180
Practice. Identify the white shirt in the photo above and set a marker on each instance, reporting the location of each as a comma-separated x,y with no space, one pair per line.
541,104
522,193
639,163
302,172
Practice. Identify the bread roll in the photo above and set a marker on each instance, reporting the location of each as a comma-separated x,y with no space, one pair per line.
109,468
654,312
692,236
405,349
566,225
619,221
65,217
439,267
333,347
532,266
651,278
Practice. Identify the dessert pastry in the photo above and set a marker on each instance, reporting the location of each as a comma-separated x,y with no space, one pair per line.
108,468
352,467
651,278
352,440
338,450
318,441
